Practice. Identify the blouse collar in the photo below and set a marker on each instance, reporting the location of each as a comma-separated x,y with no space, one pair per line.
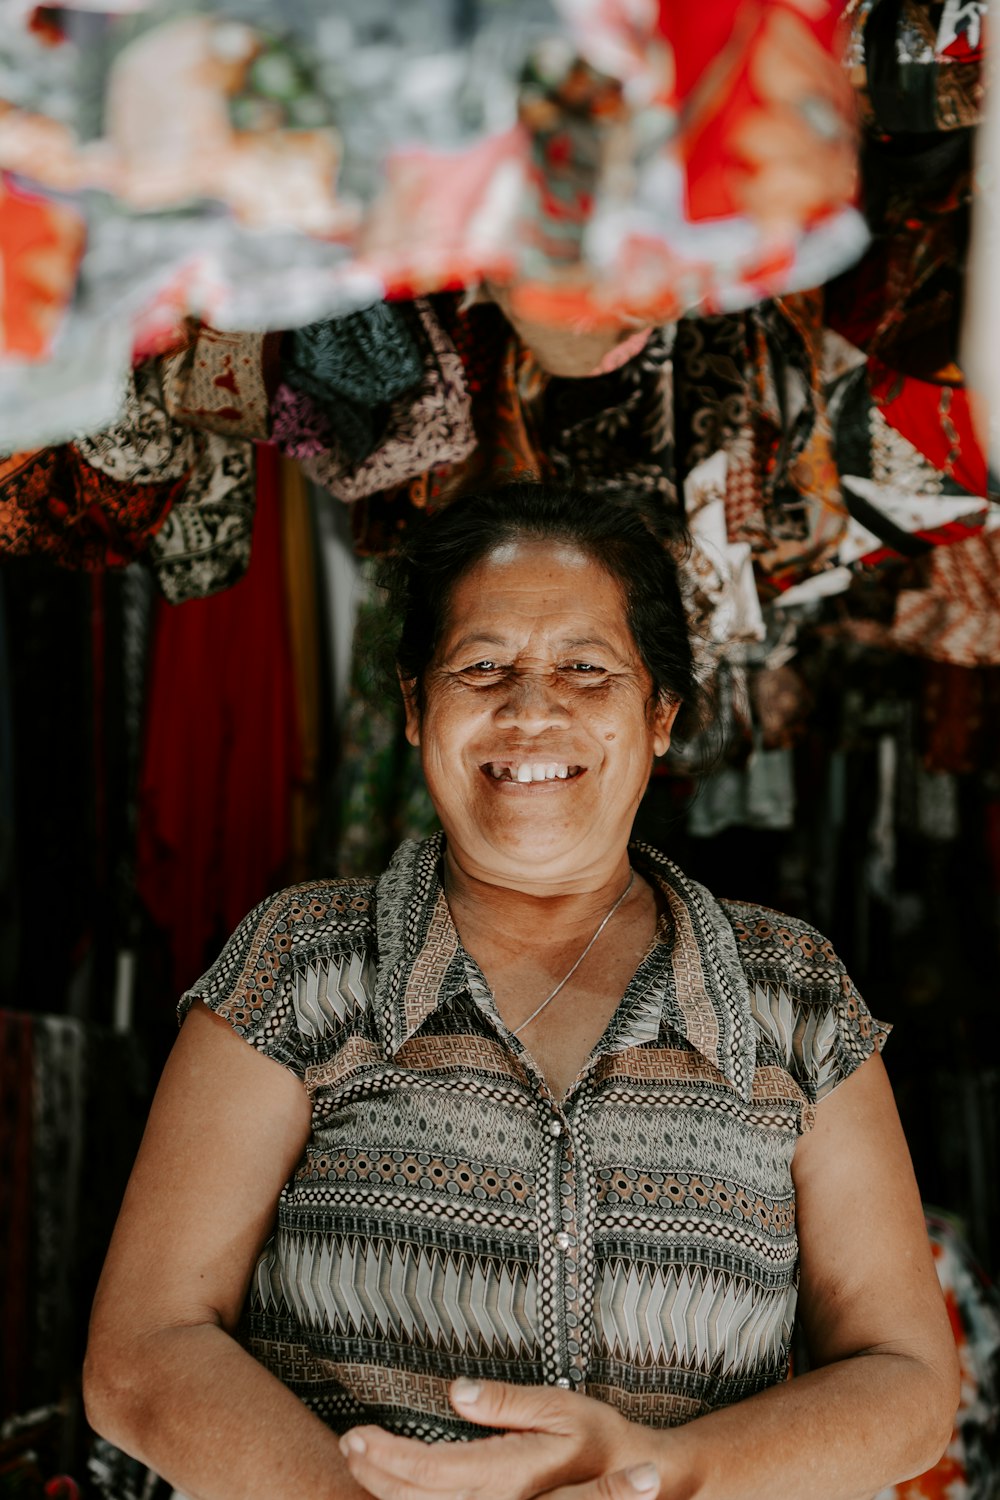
691,978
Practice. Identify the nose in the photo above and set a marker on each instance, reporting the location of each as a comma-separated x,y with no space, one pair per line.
532,701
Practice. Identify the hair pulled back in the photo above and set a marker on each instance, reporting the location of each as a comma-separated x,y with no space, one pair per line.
421,578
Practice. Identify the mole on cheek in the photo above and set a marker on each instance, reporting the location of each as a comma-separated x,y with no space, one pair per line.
610,735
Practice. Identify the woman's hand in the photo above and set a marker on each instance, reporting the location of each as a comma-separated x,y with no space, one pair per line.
556,1444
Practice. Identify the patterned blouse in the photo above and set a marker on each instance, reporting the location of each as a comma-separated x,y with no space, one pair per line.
450,1216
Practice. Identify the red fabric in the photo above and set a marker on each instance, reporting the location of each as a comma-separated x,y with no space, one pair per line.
43,242
714,48
936,419
221,750
53,504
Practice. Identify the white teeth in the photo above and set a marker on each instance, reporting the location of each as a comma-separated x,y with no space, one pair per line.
530,771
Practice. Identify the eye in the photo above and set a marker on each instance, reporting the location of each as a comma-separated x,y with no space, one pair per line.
584,669
485,668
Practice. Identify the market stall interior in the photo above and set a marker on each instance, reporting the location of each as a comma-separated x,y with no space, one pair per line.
278,282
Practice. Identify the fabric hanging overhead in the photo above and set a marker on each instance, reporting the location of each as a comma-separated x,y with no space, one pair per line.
265,166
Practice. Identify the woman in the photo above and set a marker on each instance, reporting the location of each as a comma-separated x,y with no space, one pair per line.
557,1137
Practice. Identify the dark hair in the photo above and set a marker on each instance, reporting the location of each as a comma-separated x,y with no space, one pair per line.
634,550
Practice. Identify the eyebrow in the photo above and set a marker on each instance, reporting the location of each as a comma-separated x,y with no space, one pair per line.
572,643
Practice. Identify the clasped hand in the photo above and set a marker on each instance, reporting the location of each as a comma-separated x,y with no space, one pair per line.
556,1446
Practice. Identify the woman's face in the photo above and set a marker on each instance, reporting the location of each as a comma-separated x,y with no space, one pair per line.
537,733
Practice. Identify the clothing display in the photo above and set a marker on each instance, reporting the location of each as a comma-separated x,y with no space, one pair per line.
220,760
319,159
625,1241
150,485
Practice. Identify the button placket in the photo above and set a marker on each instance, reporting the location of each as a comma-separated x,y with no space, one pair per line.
557,1265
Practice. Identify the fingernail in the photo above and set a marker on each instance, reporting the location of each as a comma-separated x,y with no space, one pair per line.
644,1478
352,1442
466,1391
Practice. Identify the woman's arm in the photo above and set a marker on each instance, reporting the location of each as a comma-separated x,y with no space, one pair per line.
877,1409
163,1376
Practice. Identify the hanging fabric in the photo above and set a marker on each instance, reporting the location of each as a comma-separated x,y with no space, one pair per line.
222,749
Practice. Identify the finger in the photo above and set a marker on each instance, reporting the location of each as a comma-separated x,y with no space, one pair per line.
391,1467
396,1468
518,1408
642,1482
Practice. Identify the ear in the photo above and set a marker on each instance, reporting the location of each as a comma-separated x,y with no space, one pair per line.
664,714
408,687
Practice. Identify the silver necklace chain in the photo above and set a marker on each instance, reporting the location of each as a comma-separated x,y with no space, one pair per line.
567,977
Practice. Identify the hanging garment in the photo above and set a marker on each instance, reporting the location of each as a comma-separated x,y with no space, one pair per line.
918,65
148,484
381,793
955,615
301,569
751,385
58,1082
424,428
42,244
221,753
96,502
203,545
16,1135
220,381
352,368
959,708
614,165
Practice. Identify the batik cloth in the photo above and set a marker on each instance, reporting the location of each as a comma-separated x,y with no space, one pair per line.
918,64
635,1240
148,484
353,367
263,169
425,428
97,502
203,545
751,384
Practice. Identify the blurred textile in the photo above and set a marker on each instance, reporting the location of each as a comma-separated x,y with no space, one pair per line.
266,166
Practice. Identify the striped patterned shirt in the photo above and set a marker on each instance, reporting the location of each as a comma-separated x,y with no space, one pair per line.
449,1216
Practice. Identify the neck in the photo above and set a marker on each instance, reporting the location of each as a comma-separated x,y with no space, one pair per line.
530,912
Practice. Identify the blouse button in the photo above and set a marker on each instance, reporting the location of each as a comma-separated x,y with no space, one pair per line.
555,1127
563,1240
563,1383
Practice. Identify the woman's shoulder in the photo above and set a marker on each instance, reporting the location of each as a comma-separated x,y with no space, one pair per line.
300,919
307,938
809,1014
787,946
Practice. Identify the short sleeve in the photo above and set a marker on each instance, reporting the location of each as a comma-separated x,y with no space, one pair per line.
809,1014
248,984
834,1039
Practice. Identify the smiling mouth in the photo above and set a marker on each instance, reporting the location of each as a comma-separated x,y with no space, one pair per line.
527,772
